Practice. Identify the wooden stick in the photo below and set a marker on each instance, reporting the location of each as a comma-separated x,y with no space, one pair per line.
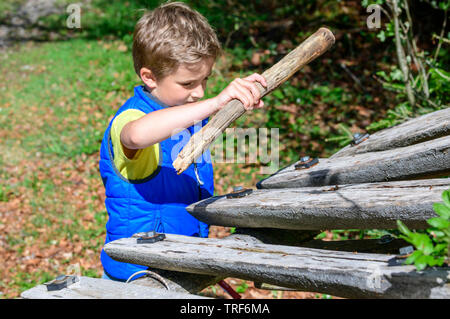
310,49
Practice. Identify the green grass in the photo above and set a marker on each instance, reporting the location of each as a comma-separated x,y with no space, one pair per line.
62,85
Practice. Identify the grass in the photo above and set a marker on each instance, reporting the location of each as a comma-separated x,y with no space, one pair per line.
66,97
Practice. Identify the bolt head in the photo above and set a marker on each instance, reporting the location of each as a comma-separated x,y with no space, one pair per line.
61,277
406,250
304,159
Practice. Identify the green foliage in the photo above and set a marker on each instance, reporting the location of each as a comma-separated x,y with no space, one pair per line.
242,288
5,191
432,247
345,135
425,77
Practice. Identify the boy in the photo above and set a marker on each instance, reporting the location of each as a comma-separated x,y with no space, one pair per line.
174,49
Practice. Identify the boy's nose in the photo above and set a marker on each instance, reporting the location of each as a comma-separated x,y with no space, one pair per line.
198,92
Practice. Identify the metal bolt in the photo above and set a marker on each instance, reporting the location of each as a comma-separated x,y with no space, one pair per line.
385,239
239,192
306,162
304,159
406,250
60,277
359,138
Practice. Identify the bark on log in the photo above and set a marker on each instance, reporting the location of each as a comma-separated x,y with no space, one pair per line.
418,130
310,49
337,273
177,281
278,236
95,288
362,206
372,246
424,160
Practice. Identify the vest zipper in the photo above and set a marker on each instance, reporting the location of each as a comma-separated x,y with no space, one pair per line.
199,181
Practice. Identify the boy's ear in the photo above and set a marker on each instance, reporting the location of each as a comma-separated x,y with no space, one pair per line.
148,77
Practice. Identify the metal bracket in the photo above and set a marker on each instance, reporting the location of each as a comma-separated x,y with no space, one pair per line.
386,239
148,237
239,192
405,251
359,138
60,282
306,162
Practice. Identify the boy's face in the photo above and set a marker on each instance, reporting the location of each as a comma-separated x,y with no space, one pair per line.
186,85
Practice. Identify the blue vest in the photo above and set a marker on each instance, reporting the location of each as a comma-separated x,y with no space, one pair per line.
158,201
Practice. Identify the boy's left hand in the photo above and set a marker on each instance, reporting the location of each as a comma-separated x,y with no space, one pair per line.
250,84
245,90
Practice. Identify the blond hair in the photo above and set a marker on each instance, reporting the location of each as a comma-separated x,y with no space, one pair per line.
171,35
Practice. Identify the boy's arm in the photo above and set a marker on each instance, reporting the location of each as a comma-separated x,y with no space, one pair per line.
157,126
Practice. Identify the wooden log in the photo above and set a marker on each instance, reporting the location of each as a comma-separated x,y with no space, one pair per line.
337,273
278,236
361,206
310,49
424,160
373,246
177,281
355,246
95,288
417,130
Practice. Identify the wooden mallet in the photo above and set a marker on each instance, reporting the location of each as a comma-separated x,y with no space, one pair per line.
307,51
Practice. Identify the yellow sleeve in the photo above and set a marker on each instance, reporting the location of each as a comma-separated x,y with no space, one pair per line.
144,162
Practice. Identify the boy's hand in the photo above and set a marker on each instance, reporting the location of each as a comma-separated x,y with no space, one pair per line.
245,90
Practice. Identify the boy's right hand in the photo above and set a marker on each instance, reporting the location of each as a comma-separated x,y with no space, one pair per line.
245,90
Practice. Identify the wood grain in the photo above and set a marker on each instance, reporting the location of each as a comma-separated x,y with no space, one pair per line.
424,160
95,288
361,206
417,130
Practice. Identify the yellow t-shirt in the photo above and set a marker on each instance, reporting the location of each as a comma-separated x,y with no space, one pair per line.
144,162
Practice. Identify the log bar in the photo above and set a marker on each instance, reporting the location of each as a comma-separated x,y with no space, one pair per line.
424,160
361,206
96,288
310,49
343,274
418,130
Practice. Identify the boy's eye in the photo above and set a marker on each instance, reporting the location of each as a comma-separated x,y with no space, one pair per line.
192,83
